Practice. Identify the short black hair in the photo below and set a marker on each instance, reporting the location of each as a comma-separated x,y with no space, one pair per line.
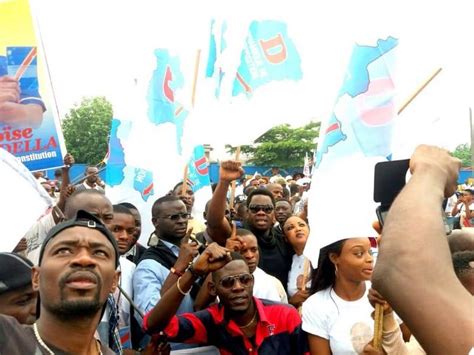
122,209
87,192
179,184
128,205
235,256
461,260
263,192
243,232
469,191
157,204
283,200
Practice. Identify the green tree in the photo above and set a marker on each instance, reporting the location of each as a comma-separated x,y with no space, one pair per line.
463,152
86,130
282,146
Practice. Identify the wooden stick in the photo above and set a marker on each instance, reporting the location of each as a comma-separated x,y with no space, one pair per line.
129,299
420,89
232,190
185,181
196,72
306,269
378,326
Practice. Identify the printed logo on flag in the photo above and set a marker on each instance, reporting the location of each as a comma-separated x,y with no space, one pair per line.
143,183
269,54
333,136
365,102
162,106
115,156
198,169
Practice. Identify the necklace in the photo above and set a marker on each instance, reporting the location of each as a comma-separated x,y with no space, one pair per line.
249,323
47,348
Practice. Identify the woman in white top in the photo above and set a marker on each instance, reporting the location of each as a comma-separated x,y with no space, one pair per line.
337,317
296,231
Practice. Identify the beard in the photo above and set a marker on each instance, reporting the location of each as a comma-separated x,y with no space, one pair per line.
76,308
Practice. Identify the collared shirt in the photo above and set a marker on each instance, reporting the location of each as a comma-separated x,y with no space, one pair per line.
148,280
131,252
278,330
127,269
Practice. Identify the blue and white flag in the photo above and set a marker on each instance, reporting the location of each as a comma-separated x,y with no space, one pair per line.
357,135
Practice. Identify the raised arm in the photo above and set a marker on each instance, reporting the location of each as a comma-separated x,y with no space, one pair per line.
414,271
187,252
218,226
213,258
66,190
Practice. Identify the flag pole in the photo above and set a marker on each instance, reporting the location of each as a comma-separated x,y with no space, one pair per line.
378,326
306,271
193,96
196,71
420,89
185,181
232,190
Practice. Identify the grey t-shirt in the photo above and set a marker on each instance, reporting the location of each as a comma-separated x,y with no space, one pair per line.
16,338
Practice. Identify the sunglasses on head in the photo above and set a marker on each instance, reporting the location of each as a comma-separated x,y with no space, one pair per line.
175,217
228,282
257,208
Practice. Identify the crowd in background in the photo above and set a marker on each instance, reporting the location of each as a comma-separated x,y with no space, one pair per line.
239,282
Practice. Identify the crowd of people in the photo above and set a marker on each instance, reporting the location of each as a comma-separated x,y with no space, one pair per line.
80,282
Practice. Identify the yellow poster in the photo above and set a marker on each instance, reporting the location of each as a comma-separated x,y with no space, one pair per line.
29,123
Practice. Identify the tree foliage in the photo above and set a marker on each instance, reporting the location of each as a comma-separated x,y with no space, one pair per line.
282,146
86,130
463,152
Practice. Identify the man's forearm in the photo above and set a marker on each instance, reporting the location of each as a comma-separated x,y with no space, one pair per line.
218,227
414,270
169,303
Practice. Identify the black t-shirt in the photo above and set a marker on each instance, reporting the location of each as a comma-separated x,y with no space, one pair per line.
275,255
16,338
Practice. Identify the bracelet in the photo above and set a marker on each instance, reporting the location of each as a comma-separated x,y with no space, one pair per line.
176,272
179,288
192,271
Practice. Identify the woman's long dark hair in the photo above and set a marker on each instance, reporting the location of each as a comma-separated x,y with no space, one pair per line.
325,275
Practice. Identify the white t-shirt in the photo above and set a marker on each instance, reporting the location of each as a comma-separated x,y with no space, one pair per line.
268,287
36,235
297,269
347,325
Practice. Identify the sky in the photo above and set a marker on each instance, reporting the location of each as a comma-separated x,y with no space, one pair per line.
91,45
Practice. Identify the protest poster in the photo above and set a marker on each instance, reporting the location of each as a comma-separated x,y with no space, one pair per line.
29,121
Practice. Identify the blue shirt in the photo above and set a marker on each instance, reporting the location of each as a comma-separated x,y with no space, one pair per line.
148,280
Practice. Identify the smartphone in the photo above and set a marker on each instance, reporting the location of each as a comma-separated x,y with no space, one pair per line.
389,180
381,212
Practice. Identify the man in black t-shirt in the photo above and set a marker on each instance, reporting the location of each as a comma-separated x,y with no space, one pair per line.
275,254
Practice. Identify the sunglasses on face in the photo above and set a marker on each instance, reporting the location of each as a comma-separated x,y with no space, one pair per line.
229,281
175,217
257,208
